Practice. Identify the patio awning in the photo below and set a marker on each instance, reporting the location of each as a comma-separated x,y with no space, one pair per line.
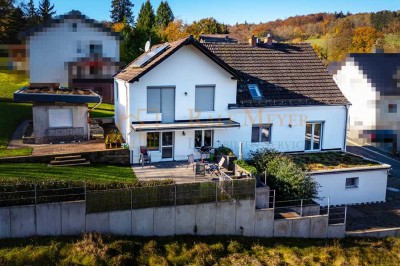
185,125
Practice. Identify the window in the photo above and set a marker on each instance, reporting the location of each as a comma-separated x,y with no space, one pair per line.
153,141
74,27
352,182
392,108
96,49
204,98
203,138
116,91
153,100
261,133
254,91
94,70
60,117
313,137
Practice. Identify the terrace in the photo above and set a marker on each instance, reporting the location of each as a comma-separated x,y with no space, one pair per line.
332,161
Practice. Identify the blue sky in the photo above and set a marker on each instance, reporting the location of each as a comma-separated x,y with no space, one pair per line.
232,11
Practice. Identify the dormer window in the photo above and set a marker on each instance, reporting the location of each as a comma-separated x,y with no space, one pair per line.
254,91
74,27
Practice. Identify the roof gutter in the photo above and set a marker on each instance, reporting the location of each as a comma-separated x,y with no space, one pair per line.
347,106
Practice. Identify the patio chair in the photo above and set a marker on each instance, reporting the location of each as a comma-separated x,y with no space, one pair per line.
215,168
145,157
191,161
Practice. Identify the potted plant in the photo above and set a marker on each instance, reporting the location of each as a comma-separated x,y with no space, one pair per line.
229,156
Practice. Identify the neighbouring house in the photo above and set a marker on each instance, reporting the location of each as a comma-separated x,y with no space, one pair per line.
183,95
76,52
371,82
59,115
210,38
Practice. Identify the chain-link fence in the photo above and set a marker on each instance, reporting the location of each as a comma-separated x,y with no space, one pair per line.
169,195
29,194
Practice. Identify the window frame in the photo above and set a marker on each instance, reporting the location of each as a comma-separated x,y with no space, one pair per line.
259,126
356,183
213,102
94,48
313,123
159,141
256,89
203,137
392,110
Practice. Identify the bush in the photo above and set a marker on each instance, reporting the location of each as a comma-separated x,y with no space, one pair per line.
224,151
249,168
288,179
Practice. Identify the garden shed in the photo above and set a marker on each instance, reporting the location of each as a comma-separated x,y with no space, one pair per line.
59,114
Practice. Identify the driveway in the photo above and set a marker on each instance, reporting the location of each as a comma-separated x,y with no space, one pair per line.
382,215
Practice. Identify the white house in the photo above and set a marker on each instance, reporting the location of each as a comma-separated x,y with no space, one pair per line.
371,82
183,95
74,51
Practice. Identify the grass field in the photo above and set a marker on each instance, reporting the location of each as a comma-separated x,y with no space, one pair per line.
9,83
103,110
37,172
95,249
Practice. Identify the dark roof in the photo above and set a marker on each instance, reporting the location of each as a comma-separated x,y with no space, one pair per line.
74,14
225,38
131,73
286,74
382,70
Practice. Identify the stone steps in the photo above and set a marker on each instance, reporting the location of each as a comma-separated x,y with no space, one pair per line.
71,160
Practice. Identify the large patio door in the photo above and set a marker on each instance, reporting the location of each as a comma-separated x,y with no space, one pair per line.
167,145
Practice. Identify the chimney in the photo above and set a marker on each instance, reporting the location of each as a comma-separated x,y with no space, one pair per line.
253,41
268,40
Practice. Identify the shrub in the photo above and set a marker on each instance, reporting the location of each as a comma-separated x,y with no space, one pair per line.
285,176
224,151
249,168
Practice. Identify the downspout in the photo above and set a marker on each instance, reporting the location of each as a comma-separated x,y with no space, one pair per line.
346,127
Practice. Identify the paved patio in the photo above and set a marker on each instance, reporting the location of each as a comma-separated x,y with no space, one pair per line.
178,171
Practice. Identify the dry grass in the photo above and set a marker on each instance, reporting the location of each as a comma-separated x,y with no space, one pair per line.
94,249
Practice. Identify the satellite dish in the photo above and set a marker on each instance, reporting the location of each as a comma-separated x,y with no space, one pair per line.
147,46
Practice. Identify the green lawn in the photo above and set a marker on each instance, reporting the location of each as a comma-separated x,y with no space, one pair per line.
103,110
11,82
12,114
94,249
97,173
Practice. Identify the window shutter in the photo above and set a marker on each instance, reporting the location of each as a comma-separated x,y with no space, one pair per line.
204,98
153,100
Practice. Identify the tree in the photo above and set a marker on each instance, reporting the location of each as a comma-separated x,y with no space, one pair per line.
31,13
164,15
364,39
341,39
121,9
380,20
129,47
46,10
146,18
207,26
174,31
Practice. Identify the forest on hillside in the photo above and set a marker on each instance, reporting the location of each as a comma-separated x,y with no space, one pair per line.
333,35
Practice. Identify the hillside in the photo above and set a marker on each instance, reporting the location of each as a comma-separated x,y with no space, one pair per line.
332,35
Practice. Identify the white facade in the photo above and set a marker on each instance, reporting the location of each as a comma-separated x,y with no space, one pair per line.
52,48
370,187
188,68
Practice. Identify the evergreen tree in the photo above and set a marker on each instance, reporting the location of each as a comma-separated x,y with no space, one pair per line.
146,18
164,15
46,10
17,25
31,13
121,9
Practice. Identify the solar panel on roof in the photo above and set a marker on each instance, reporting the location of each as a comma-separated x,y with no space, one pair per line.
147,57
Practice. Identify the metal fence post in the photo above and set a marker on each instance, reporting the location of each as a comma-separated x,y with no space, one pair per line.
329,206
273,203
345,215
175,195
301,208
35,195
216,192
85,191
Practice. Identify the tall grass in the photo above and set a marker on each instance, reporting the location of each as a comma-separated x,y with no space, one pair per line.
95,249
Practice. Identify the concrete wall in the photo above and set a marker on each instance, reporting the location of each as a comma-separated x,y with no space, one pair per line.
222,218
371,187
375,233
